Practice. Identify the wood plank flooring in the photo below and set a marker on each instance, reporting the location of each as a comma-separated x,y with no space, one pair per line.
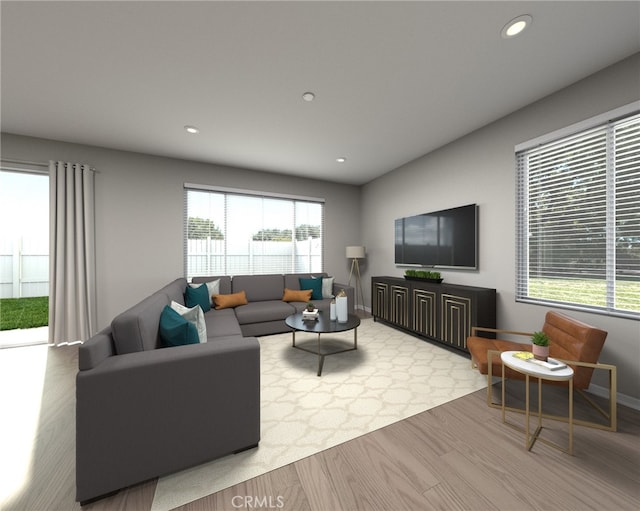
456,456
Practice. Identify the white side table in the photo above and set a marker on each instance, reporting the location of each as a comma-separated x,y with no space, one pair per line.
531,369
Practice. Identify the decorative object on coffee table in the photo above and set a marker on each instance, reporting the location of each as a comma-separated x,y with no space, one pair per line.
342,307
310,312
540,346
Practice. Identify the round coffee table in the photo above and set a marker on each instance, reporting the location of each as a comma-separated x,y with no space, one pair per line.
322,325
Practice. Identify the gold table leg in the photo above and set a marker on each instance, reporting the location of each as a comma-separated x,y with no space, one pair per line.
571,416
318,350
320,358
531,439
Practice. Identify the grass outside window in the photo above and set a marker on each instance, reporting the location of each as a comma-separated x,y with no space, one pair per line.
586,292
24,312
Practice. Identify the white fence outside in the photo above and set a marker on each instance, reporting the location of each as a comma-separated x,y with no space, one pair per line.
24,267
206,257
24,262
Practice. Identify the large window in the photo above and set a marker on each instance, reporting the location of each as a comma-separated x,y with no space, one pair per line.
236,232
578,207
24,233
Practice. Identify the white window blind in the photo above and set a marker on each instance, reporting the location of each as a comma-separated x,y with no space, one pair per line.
578,226
231,232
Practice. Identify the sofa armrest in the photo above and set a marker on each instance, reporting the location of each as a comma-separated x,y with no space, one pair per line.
96,349
150,413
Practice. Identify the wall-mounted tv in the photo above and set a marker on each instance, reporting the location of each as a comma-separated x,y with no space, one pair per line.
445,239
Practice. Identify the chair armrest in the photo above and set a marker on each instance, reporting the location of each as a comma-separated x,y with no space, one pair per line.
475,329
612,414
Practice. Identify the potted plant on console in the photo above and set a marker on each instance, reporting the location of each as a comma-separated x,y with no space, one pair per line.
426,276
540,346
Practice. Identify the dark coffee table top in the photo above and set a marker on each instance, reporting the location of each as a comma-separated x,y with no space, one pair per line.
322,325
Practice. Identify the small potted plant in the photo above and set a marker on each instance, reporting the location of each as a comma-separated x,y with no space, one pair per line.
540,345
427,276
310,307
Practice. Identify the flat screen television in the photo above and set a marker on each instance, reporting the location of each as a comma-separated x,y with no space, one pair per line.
444,239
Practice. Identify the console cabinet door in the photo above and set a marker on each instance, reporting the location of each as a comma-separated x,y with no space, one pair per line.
444,313
380,299
390,301
399,312
456,319
425,319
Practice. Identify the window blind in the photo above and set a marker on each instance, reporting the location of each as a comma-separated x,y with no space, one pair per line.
231,232
578,225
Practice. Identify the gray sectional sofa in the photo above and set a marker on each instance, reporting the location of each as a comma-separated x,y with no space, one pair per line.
144,411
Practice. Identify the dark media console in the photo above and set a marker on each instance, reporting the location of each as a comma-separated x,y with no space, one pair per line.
443,312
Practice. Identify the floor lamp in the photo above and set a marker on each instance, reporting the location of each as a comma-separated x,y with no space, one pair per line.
354,253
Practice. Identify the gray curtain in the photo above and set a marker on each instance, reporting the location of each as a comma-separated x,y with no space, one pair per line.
72,295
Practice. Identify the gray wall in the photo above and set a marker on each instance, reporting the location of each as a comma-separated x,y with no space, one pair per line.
139,208
480,168
139,213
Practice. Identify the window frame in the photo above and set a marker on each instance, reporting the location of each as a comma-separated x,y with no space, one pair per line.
251,194
522,278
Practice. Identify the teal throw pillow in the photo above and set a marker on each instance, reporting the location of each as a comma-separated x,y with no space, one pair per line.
198,296
315,285
175,330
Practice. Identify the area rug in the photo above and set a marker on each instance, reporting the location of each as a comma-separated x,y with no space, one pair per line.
390,377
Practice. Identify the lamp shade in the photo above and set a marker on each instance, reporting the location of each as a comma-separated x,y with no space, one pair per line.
355,252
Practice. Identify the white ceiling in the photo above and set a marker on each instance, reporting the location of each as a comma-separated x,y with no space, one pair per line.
393,80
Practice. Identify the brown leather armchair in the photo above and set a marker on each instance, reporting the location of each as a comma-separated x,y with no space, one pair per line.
573,342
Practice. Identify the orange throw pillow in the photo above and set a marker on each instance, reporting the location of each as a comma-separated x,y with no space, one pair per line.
291,295
231,300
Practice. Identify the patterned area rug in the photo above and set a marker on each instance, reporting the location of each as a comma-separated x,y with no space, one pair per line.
390,377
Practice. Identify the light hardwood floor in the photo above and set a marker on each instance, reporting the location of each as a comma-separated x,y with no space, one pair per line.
456,456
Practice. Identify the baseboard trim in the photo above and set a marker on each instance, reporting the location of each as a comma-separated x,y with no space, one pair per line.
623,399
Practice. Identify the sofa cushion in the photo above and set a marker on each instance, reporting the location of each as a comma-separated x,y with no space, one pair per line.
291,295
323,305
259,287
231,300
221,323
193,315
176,330
292,280
197,296
213,288
136,329
269,310
327,286
315,284
224,283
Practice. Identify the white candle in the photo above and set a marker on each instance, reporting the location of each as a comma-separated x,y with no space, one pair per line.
342,310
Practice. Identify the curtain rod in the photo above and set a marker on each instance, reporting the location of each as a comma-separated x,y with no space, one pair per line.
33,163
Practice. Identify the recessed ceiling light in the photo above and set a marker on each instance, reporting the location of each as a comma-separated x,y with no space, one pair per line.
192,129
342,159
308,96
516,26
